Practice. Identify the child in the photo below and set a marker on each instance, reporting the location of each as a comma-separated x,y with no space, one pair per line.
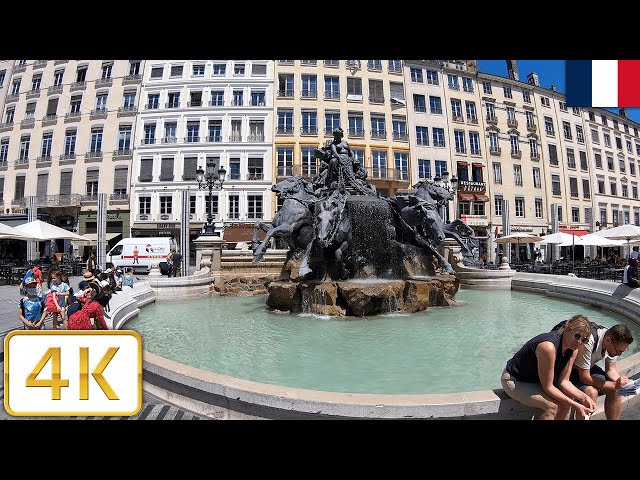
31,312
56,300
128,278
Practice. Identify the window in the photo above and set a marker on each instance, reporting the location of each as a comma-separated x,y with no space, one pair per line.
562,106
533,146
394,66
170,129
555,184
538,207
70,143
146,170
515,144
419,103
435,104
124,138
211,204
486,88
217,98
571,158
47,141
399,126
166,204
491,111
467,84
101,102
285,121
624,190
601,185
610,163
176,71
331,87
157,72
507,92
573,187
494,146
474,143
166,169
621,165
81,74
190,165
92,182
634,193
354,88
219,69
526,96
309,122
607,139
536,178
438,137
96,139
149,134
309,162
614,214
36,80
379,163
378,128
238,98
285,161
4,150
25,140
66,178
497,205
193,132
106,70
553,155
545,101
440,167
424,168
195,98
19,190
356,124
120,180
583,161
519,207
254,207
497,173
52,107
238,69
511,116
256,131
258,69
153,100
517,175
255,168
30,112
376,91
134,67
632,167
472,115
416,75
173,100
566,129
548,126
629,148
234,206
458,136
586,192
309,86
456,109
432,77
579,134
129,100
452,80
15,86
402,165
3,73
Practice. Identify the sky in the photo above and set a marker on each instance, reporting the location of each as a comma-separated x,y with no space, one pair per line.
549,72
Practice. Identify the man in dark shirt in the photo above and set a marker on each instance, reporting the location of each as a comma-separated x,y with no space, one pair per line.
177,260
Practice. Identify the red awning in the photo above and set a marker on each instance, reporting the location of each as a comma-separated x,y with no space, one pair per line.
478,165
463,164
579,233
481,198
466,197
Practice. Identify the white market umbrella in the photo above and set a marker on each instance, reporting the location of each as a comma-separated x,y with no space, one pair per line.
626,232
564,239
519,238
40,230
592,239
11,233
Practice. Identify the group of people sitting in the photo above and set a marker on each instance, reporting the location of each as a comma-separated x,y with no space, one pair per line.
557,371
84,310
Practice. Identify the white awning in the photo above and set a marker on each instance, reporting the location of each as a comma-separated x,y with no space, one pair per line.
93,237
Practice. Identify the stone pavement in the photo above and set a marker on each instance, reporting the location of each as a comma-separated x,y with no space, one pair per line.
153,408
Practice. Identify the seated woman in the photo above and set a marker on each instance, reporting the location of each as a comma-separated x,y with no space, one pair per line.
93,309
538,374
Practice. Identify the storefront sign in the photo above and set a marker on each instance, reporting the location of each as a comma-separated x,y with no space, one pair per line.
478,220
166,225
517,228
110,216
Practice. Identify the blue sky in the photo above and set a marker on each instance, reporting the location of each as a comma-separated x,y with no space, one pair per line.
549,72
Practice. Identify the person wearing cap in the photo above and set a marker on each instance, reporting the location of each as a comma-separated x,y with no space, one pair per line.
31,310
117,278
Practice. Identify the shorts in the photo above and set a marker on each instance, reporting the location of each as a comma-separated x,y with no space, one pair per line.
596,372
523,392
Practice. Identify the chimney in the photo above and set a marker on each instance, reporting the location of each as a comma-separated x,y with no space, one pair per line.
532,78
554,88
512,69
623,112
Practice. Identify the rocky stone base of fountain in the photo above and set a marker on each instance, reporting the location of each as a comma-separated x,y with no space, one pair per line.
362,298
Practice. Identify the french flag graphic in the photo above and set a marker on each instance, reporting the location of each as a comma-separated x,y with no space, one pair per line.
603,83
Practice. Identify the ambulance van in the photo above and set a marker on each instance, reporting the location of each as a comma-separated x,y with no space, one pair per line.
140,252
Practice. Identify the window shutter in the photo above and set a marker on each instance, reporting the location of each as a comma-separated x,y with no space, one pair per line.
146,169
41,188
258,69
121,178
166,169
190,166
52,107
92,175
396,90
65,182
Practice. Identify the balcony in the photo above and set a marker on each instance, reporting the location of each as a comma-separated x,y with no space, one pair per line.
127,111
35,93
461,151
28,123
285,93
5,127
331,95
492,120
475,152
195,103
376,99
495,150
152,106
142,179
119,198
166,178
237,103
69,200
12,97
457,118
467,186
148,141
72,117
419,108
285,130
286,171
254,177
535,157
131,79
378,134
192,139
189,177
309,94
39,64
172,105
98,113
217,103
512,123
454,86
402,137
53,89
104,82
89,198
531,127
20,68
44,161
309,130
22,163
67,158
255,137
305,171
166,140
472,120
357,133
77,86
516,154
59,62
95,156
122,154
21,202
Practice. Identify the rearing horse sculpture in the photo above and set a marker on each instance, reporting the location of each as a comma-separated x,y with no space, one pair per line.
292,222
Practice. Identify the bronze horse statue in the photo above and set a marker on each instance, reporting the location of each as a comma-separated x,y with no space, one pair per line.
293,221
332,230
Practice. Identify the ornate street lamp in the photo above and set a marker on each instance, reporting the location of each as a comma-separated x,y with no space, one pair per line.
451,184
210,179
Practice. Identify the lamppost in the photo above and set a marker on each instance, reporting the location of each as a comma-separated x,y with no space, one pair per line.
451,184
210,179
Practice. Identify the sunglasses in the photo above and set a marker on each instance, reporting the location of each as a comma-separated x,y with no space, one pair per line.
578,336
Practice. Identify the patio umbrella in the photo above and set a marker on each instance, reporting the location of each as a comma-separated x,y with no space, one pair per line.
519,238
40,230
599,241
12,233
563,239
626,232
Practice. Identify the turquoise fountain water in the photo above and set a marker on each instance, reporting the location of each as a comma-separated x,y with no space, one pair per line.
440,350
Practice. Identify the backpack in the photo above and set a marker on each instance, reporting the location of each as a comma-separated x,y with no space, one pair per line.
594,332
23,290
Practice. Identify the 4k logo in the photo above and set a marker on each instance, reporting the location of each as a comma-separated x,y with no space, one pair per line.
73,373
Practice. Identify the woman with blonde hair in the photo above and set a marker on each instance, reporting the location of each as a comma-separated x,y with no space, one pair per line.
538,374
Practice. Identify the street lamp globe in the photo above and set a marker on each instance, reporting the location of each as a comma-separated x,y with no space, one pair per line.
210,180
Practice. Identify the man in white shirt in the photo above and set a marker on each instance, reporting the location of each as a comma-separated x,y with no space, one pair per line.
591,379
634,253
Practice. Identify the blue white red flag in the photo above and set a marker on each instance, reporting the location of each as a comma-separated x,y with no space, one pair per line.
603,83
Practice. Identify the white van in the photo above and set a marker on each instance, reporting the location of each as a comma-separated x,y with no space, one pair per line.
140,252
